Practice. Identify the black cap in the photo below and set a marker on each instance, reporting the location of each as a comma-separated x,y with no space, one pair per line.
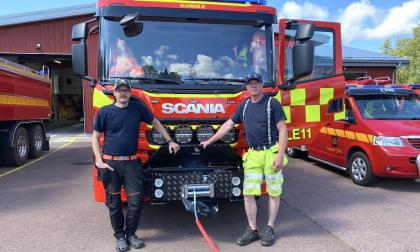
121,82
254,76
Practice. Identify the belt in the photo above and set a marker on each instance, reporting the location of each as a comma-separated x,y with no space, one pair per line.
119,158
263,147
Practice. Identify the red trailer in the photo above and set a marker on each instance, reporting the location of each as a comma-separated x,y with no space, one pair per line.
25,106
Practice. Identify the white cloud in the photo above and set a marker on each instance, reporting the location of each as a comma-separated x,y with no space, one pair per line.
147,60
308,10
399,20
204,67
161,50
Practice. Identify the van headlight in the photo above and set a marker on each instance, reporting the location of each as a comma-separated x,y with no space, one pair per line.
388,141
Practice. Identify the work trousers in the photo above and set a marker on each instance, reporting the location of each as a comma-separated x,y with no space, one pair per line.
127,174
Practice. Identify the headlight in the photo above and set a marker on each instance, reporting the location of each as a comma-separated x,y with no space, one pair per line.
204,133
157,137
388,141
230,137
183,134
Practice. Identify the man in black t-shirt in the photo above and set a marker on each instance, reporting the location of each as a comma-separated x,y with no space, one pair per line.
266,133
118,164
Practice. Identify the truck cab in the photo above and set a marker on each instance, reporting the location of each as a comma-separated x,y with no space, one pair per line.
376,134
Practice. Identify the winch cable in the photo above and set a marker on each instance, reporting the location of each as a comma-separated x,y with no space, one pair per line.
201,228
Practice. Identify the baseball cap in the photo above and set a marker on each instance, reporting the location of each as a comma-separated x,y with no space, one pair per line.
254,76
121,82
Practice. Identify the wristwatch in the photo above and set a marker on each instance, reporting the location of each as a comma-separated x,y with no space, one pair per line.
171,140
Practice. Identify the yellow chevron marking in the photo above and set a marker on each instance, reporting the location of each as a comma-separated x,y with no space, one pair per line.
323,130
100,99
370,138
350,135
362,137
340,132
331,131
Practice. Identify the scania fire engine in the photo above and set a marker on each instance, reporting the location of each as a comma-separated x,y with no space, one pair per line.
186,61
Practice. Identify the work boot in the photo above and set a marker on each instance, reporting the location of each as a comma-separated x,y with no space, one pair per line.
122,245
247,237
135,242
267,236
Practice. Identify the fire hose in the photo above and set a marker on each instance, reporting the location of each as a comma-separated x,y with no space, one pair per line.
200,226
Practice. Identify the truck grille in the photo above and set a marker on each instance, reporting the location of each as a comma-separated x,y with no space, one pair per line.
414,142
173,183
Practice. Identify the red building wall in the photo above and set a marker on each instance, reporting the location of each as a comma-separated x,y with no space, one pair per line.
54,36
373,72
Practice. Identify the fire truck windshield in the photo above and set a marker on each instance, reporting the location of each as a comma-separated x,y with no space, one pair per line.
185,53
389,107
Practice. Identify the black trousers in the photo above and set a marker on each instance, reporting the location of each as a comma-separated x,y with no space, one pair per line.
129,175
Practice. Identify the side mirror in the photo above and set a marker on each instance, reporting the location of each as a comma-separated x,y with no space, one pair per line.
78,51
79,32
131,24
78,58
303,51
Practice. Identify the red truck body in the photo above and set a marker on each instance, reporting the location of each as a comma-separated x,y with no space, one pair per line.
25,104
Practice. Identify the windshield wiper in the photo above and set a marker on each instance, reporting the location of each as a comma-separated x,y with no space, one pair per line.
218,79
148,80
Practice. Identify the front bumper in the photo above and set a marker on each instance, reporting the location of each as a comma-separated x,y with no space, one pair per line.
396,162
180,185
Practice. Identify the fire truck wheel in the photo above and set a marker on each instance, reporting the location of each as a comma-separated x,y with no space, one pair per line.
36,141
19,153
360,169
292,152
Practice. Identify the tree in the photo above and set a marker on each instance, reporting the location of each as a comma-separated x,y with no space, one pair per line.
410,48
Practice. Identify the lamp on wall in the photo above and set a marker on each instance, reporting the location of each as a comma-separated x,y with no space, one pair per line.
38,46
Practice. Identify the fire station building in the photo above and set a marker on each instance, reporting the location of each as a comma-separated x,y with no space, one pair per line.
43,37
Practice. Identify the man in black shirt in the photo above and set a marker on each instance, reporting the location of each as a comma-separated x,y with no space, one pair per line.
118,165
266,133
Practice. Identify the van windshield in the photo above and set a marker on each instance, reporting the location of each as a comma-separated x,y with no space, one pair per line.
389,107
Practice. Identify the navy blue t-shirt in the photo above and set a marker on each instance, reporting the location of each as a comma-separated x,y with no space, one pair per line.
255,122
121,127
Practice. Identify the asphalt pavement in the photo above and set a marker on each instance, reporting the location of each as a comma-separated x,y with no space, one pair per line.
48,206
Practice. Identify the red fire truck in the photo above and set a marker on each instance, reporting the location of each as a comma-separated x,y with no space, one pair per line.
25,105
186,61
379,135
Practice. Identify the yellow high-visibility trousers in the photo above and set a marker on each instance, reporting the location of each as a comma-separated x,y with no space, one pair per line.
258,165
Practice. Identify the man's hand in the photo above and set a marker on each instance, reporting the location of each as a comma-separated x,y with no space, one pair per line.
205,144
278,163
102,165
173,148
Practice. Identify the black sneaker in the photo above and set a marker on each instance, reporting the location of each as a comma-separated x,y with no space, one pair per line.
135,242
247,237
267,237
122,245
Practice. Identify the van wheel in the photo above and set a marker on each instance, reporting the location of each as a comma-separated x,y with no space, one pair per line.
360,170
19,153
36,141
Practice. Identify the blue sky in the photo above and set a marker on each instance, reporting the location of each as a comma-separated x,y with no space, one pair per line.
365,23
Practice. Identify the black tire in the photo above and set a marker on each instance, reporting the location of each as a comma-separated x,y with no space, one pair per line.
36,141
292,152
360,169
19,153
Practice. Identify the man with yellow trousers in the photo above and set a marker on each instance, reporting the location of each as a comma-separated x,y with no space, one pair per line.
266,133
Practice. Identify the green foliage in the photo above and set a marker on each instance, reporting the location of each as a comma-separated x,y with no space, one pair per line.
410,48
